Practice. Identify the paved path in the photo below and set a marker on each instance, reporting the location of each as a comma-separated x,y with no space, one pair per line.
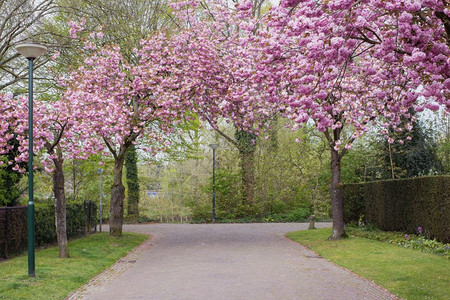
226,261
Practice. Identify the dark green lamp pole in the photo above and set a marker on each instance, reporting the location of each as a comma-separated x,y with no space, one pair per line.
30,51
214,147
101,197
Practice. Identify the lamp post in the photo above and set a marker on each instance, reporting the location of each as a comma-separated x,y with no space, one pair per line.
30,51
101,197
214,147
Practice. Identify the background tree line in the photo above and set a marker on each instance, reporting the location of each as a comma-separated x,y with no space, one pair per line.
258,178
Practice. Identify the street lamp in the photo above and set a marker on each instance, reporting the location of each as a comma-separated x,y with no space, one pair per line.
101,196
30,51
214,147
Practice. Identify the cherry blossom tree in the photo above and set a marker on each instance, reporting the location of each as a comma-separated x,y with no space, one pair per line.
54,139
222,49
123,103
345,66
355,64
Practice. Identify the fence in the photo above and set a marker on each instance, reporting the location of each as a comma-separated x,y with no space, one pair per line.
90,211
81,219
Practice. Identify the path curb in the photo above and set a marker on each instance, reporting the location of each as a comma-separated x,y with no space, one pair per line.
373,288
98,282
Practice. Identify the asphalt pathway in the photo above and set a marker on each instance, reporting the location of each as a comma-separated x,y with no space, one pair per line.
226,261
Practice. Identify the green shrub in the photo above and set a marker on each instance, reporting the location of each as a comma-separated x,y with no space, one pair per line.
298,214
201,213
228,196
45,231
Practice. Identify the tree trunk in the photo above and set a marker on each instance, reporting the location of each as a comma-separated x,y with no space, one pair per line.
336,198
248,177
390,161
246,144
132,183
117,197
74,179
60,206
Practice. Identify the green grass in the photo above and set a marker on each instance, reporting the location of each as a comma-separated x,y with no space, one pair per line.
56,278
406,273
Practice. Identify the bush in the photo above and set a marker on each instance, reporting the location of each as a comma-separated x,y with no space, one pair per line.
45,232
228,196
299,214
403,205
413,241
201,212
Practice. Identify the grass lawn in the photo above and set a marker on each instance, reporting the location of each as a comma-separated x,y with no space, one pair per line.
407,273
56,278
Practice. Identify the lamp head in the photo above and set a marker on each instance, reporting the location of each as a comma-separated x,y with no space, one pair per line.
31,50
214,146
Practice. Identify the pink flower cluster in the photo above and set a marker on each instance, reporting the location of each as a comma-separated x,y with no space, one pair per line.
341,64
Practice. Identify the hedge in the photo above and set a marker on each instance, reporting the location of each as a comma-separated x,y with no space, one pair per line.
13,229
353,201
78,221
402,205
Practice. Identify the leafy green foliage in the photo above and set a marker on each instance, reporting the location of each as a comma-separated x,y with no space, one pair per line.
443,143
413,241
415,157
132,182
292,173
299,214
228,201
184,146
364,162
9,191
291,181
246,141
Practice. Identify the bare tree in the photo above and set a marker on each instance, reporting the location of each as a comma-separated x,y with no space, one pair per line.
125,22
21,21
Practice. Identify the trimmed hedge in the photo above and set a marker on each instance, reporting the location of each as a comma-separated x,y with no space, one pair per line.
353,201
402,205
13,225
13,230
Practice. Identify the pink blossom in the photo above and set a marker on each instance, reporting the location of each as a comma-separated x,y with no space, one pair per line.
432,106
289,3
245,5
55,56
